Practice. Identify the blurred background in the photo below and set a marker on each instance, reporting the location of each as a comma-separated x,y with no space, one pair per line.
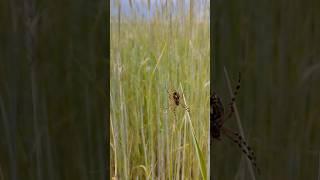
275,45
155,46
53,105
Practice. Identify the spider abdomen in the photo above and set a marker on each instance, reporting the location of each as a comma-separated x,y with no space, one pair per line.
216,113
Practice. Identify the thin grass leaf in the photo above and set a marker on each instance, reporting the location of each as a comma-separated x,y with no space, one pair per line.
238,121
202,163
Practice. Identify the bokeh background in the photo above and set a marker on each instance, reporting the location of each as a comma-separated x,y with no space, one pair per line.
275,45
53,99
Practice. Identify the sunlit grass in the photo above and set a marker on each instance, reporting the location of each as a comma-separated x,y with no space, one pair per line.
147,58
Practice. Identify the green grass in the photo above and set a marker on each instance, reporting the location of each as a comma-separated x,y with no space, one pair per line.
147,58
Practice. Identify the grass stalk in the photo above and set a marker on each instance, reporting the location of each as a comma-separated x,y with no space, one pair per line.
199,153
236,112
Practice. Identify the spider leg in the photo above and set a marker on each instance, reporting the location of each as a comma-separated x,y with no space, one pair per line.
242,144
225,118
174,112
184,105
233,100
237,90
171,104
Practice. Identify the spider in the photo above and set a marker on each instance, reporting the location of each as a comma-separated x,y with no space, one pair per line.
174,101
217,120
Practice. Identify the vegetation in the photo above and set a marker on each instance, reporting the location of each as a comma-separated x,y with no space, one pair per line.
275,46
168,49
53,104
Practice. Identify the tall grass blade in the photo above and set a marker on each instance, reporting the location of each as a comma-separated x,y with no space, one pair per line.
201,160
238,121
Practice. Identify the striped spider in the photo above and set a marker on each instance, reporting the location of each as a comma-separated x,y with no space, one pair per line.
217,120
175,101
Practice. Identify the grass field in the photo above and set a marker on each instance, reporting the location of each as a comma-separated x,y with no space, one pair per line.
275,47
149,56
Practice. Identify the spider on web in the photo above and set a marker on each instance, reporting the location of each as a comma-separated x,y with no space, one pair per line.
175,101
217,120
